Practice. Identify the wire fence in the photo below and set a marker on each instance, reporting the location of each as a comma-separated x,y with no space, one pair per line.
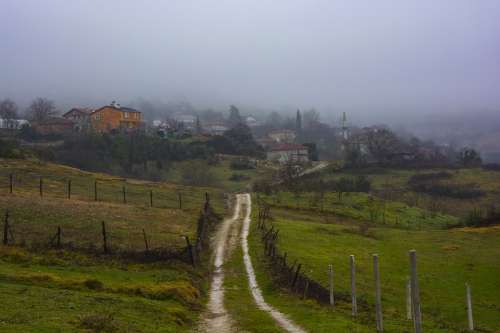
113,190
293,276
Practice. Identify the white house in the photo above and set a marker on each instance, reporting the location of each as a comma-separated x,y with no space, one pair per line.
13,123
282,136
288,152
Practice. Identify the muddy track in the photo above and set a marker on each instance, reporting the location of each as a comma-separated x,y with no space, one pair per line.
216,317
283,321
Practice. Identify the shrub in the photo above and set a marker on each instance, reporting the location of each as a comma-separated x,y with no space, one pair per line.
242,164
197,174
491,166
237,177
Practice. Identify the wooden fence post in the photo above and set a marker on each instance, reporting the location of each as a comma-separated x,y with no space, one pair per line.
104,238
145,240
95,190
296,275
150,198
353,285
6,229
124,195
190,250
58,237
415,294
179,196
69,189
40,185
378,296
470,318
306,289
11,182
330,284
408,300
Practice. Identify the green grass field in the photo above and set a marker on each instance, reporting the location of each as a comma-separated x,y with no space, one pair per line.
50,290
447,259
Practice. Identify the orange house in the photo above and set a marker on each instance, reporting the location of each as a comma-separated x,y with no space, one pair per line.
114,117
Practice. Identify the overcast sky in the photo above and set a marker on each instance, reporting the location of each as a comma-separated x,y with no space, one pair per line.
371,57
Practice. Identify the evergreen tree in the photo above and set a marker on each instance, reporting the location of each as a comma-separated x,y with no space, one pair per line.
298,122
234,116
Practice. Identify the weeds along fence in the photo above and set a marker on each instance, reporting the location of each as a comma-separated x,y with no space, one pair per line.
101,239
112,190
135,241
290,274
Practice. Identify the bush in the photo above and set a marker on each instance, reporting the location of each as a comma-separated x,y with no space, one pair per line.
479,218
491,167
10,149
466,191
430,183
242,164
238,177
197,174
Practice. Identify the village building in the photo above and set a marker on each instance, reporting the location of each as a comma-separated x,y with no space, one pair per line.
282,136
288,152
80,118
251,121
114,117
13,124
216,129
55,125
185,120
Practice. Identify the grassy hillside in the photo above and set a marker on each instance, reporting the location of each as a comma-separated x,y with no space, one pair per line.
393,185
447,259
78,288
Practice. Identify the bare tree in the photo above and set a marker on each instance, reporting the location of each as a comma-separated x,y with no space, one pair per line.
8,112
41,109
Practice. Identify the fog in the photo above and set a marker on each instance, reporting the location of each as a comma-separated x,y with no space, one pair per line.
384,61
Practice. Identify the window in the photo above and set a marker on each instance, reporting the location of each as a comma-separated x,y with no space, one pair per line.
125,115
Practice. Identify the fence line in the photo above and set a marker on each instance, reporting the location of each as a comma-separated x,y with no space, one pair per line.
67,188
188,253
297,282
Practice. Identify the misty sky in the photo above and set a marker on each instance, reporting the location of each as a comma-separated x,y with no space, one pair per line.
369,57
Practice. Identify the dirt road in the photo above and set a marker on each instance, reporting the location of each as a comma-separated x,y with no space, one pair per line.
217,319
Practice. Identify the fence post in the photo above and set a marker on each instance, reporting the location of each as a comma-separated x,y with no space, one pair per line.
95,190
69,189
150,198
306,289
408,299
11,182
190,250
179,195
58,237
6,229
415,294
145,240
104,238
470,318
378,297
41,187
330,280
124,195
353,285
296,275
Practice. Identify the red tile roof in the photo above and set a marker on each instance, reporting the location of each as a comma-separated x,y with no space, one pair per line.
286,146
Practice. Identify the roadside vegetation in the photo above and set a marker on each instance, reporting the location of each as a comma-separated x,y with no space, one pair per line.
324,219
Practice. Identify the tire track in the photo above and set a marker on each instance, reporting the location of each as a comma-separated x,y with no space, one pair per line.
283,321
